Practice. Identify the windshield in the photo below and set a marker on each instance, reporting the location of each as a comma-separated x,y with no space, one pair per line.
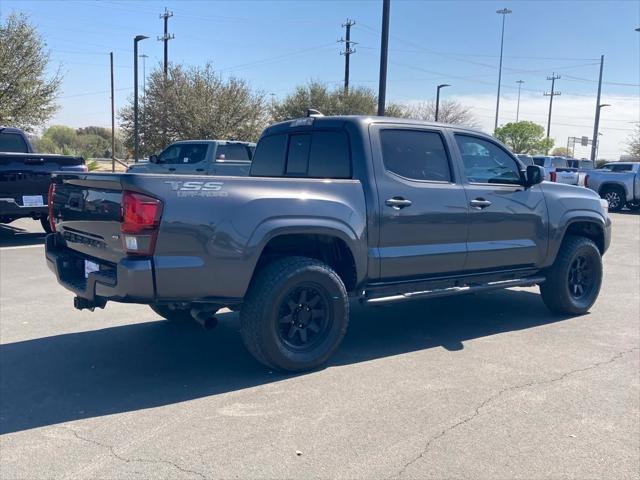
539,161
12,142
558,162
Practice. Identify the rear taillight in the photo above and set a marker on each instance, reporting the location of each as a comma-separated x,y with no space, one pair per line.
586,180
552,176
140,220
52,191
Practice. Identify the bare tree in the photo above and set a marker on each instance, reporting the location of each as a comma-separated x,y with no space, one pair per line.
450,111
27,93
633,143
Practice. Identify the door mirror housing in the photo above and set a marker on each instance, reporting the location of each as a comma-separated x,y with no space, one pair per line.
534,175
153,159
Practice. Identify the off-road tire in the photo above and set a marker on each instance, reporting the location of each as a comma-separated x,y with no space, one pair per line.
556,290
44,221
615,196
261,314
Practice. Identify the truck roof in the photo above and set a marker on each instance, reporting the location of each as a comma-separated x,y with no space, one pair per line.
11,130
214,141
361,120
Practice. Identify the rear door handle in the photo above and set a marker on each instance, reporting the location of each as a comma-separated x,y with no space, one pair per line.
480,203
199,169
398,202
172,169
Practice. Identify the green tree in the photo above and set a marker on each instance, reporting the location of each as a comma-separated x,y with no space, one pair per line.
27,93
194,103
449,111
524,137
560,151
88,142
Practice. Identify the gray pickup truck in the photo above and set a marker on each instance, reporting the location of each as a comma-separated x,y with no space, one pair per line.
618,183
376,209
200,157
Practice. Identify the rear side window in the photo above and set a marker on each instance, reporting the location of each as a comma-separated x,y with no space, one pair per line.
329,156
12,142
268,160
232,151
416,155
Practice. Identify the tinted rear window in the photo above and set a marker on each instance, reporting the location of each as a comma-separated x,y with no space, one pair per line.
12,142
268,161
329,156
232,151
298,154
539,161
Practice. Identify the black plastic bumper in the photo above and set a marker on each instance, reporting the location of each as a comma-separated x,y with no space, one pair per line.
129,280
10,208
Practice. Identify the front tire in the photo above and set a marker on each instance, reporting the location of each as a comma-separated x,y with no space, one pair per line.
573,281
46,226
615,196
295,314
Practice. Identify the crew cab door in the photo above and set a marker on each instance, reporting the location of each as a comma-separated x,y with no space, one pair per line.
507,222
423,209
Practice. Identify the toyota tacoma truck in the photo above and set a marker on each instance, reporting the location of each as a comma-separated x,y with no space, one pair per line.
618,183
200,157
374,209
25,177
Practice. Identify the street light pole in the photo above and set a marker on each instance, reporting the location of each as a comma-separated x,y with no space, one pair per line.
519,82
438,98
136,39
504,12
384,53
596,122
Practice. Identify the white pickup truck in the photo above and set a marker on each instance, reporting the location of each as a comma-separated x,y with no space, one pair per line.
557,169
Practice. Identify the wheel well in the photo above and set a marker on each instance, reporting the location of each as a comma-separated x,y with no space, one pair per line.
331,250
589,230
611,186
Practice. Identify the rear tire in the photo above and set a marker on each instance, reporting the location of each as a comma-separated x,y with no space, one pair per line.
573,281
44,221
615,196
295,314
180,315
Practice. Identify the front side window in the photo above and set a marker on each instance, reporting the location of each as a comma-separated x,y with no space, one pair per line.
184,153
485,162
416,155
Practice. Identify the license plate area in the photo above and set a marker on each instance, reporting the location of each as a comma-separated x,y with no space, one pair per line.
90,267
32,201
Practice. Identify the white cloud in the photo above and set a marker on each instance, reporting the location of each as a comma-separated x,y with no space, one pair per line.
572,116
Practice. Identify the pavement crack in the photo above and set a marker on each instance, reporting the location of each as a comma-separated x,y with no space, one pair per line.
121,458
497,395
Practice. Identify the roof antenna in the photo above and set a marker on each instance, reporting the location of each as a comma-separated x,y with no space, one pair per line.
312,112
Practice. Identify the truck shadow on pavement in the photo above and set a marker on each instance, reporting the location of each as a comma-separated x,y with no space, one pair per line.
68,377
14,236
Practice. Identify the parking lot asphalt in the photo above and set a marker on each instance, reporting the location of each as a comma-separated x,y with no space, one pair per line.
483,386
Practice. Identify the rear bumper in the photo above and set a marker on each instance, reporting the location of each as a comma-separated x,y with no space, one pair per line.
130,280
10,208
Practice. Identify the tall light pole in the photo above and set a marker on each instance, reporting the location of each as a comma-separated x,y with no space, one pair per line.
596,122
136,39
519,82
596,134
504,12
384,53
438,98
551,94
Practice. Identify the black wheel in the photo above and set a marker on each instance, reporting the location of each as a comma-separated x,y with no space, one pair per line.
173,314
295,314
44,221
615,196
573,282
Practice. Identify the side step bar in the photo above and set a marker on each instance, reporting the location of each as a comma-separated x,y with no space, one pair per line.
445,292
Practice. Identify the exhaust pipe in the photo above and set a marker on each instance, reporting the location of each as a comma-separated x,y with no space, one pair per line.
205,316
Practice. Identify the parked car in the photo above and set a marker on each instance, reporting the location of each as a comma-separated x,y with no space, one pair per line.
25,177
525,159
381,210
200,157
556,169
618,183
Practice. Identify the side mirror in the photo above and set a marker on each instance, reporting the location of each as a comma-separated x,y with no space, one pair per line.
153,158
534,175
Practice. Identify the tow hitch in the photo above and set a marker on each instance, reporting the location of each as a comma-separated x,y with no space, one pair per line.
82,303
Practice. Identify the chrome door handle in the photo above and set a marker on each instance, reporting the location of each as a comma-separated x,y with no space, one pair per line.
398,203
480,203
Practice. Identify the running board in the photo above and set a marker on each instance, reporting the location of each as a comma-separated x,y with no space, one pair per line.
445,292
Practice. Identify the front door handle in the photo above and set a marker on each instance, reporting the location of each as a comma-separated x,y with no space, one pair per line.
398,202
199,169
480,203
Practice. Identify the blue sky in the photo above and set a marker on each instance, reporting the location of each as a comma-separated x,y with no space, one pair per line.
276,45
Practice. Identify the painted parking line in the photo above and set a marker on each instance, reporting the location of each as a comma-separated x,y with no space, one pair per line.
19,247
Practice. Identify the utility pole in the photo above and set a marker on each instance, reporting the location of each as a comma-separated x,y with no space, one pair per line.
596,123
347,51
384,53
144,74
504,12
136,39
551,94
166,37
113,120
519,82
